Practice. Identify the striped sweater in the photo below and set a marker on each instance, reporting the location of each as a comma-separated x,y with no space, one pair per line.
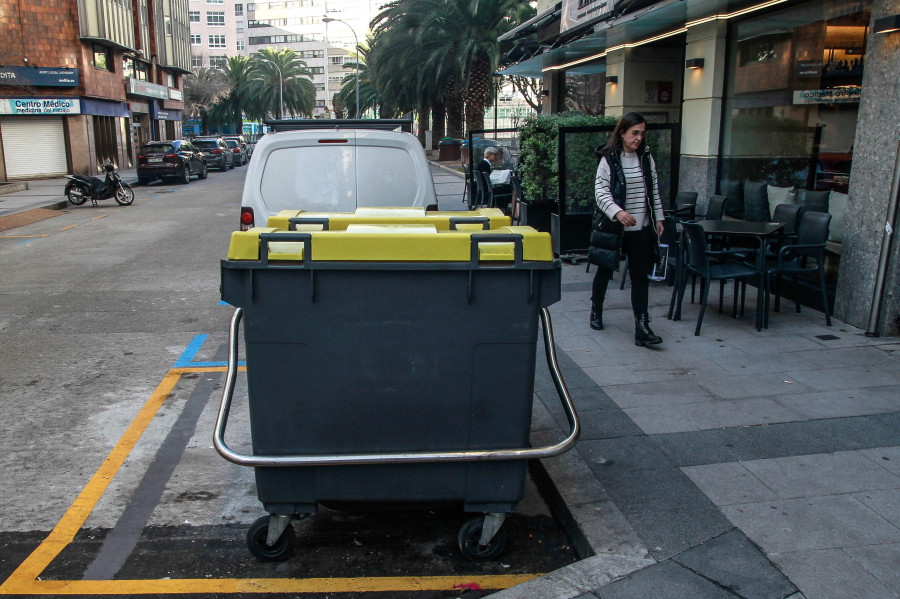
635,198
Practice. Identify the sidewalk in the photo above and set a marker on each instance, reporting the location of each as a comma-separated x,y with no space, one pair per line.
736,464
48,194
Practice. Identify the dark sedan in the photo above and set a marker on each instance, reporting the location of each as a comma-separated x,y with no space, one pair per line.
218,155
177,159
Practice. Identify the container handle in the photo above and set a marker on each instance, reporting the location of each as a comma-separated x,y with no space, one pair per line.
394,458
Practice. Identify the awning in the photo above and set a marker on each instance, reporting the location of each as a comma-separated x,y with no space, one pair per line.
655,22
532,24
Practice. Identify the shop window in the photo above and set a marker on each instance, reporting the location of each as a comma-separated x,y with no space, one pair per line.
105,146
792,97
103,58
586,92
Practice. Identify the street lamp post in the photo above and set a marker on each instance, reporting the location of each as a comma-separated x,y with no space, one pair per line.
280,88
356,39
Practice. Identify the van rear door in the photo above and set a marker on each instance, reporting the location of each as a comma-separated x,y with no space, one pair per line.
317,173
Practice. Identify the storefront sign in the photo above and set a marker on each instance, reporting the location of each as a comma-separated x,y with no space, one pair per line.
175,94
140,87
39,76
581,12
809,68
40,106
839,95
658,92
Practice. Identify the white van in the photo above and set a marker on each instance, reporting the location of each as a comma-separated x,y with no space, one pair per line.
335,170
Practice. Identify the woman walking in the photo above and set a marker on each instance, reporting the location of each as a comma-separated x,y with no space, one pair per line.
628,217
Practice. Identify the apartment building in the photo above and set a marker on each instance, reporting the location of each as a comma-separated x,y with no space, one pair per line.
86,81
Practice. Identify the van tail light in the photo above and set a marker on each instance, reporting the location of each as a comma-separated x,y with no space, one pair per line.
246,218
236,150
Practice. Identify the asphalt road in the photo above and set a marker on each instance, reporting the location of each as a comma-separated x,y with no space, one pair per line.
112,343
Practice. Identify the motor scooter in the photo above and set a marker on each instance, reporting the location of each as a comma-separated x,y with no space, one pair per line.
80,188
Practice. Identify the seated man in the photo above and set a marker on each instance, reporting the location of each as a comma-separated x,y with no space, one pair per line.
493,156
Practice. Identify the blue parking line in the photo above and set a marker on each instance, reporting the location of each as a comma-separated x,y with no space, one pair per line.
26,241
185,360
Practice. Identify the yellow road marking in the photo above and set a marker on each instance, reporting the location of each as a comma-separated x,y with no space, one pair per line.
24,580
99,217
21,236
69,227
269,585
65,530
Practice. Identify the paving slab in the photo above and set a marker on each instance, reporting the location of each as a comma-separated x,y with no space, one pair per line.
736,564
831,574
667,580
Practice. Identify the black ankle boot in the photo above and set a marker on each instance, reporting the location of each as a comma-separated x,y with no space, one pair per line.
596,317
642,333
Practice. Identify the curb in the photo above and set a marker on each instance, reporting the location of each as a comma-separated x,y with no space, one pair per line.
448,169
6,188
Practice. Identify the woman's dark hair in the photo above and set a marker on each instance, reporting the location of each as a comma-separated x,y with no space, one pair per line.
625,123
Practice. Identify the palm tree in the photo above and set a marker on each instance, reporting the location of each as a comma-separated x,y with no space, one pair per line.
298,91
457,40
232,107
367,94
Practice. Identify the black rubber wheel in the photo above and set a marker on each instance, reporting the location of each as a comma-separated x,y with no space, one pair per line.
232,165
124,195
204,172
185,175
76,200
256,542
469,537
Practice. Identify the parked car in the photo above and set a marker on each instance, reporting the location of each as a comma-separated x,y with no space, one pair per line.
239,151
329,170
217,153
176,159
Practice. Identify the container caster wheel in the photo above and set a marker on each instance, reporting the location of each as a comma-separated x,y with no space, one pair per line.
470,544
256,542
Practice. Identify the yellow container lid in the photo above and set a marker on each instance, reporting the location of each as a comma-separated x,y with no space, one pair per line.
484,218
393,242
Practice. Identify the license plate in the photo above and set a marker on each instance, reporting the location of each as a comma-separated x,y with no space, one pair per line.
154,160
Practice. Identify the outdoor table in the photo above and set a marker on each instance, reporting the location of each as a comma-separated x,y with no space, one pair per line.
762,231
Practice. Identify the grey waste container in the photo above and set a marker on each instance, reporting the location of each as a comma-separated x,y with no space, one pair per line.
356,363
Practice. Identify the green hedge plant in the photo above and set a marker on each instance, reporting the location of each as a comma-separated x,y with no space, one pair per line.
539,156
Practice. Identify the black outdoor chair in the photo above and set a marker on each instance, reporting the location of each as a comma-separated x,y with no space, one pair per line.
793,259
790,215
715,210
685,205
481,197
517,209
699,263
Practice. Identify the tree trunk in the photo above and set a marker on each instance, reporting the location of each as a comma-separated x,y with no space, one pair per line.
438,114
423,121
476,91
453,102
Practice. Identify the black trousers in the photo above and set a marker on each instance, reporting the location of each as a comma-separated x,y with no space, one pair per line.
640,247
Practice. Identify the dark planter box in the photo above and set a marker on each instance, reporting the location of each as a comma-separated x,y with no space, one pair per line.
537,216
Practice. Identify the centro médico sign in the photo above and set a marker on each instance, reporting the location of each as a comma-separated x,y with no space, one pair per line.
40,106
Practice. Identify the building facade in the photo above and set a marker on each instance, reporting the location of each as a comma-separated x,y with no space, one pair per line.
83,82
778,97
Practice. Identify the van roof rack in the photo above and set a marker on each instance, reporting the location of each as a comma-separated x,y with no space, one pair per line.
381,124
